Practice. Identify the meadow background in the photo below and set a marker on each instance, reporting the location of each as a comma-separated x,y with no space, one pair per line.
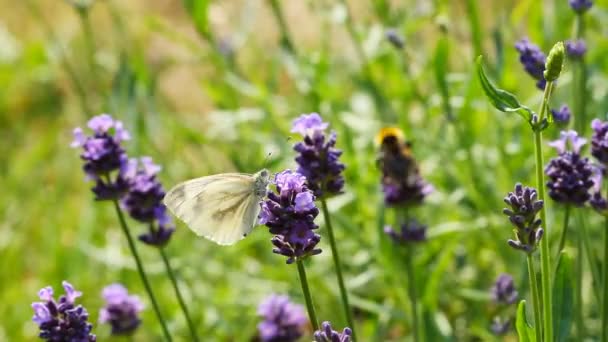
215,90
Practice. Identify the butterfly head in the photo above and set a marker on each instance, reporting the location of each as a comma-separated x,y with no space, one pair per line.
261,181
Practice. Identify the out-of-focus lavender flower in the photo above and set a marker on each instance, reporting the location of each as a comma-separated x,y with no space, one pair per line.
569,174
580,6
522,214
394,38
283,321
62,320
290,214
121,310
403,193
599,141
103,156
503,291
533,60
411,231
576,49
500,327
318,159
327,334
562,115
597,200
143,201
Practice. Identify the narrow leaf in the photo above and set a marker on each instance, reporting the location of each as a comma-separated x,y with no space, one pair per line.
501,99
524,330
563,297
198,11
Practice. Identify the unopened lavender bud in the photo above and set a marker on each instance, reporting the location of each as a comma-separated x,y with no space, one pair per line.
555,62
539,234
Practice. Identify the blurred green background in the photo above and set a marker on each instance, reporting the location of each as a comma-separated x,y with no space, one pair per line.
210,87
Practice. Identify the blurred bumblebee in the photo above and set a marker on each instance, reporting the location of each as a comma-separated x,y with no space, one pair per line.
395,157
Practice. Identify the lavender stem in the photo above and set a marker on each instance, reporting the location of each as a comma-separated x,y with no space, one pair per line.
309,304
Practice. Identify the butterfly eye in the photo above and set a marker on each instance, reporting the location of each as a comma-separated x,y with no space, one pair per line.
264,173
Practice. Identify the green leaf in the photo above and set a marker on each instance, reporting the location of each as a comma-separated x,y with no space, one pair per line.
198,11
501,99
524,330
562,297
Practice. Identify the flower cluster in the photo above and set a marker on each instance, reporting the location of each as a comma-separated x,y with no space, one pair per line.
327,334
580,6
599,150
411,231
500,327
394,38
522,214
62,320
503,290
533,60
121,310
283,321
569,173
562,115
290,214
143,201
318,159
576,49
103,156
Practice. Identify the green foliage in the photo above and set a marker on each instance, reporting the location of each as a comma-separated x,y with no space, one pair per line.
563,293
525,331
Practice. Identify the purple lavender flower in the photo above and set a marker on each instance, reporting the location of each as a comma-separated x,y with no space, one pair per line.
143,201
562,115
522,214
318,159
290,214
503,291
411,231
500,327
327,334
599,141
569,174
597,201
580,6
404,193
103,155
394,38
533,60
576,49
62,320
121,310
283,321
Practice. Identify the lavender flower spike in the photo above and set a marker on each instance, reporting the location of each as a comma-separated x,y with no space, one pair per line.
576,49
562,115
283,321
411,232
121,310
599,141
62,320
103,155
533,60
327,334
569,174
318,159
580,6
503,290
522,213
143,201
290,214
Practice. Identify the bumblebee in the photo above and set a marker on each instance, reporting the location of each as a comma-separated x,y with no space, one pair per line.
395,157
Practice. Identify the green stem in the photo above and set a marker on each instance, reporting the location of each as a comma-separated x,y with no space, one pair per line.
578,291
562,239
411,289
312,316
140,269
545,266
285,36
178,294
89,38
605,284
579,75
595,271
337,266
535,298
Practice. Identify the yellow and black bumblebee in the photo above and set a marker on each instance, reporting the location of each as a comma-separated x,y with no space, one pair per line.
395,157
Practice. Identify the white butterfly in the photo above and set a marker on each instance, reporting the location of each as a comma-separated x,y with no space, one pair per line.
223,208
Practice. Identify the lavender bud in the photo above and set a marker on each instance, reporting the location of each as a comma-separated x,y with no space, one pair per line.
555,62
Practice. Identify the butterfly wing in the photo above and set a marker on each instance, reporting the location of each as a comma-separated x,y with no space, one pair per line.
222,208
